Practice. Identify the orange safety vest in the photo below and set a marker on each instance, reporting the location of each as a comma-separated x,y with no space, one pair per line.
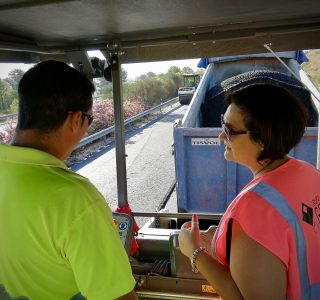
281,211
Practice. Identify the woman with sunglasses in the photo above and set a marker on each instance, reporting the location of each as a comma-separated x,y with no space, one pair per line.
268,242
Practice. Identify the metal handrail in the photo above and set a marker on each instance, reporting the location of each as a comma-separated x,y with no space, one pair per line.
5,117
104,132
177,215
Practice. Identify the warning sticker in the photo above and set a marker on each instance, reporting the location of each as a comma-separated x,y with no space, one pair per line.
205,142
207,289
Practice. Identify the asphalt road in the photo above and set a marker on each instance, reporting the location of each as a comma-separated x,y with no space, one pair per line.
150,165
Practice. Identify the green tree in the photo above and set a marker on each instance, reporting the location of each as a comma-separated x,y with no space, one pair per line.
107,91
174,69
124,75
151,75
104,87
176,79
14,77
14,105
142,77
100,84
187,70
7,95
152,88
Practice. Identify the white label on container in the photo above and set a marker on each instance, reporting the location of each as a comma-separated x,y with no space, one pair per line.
205,142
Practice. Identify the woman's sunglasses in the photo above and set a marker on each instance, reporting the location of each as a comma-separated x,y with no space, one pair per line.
229,132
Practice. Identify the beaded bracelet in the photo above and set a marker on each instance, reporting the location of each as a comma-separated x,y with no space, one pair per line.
194,257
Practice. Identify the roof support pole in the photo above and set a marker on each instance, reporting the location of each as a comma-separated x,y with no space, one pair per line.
119,130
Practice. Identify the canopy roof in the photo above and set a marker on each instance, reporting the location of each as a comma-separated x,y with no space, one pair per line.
150,30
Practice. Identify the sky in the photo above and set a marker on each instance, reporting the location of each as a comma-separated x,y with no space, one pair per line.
133,70
5,68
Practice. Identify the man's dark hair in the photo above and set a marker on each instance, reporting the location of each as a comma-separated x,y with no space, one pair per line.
277,117
48,92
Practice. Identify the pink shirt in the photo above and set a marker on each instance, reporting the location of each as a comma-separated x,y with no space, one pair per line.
281,211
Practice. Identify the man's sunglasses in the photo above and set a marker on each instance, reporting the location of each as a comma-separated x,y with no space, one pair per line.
89,117
229,132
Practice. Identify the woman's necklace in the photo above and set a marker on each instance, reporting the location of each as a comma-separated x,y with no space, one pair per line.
271,165
261,170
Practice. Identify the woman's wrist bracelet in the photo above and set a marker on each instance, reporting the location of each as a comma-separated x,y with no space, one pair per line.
194,257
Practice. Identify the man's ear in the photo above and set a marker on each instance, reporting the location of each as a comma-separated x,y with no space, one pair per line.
75,121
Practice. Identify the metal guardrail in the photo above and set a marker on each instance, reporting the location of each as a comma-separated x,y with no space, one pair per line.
104,132
109,130
9,116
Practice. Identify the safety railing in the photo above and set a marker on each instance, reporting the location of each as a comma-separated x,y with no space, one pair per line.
7,117
93,137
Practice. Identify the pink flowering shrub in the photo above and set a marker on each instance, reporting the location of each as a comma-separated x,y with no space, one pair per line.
133,106
102,111
7,131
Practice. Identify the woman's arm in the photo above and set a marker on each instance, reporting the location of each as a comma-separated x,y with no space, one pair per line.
257,272
217,275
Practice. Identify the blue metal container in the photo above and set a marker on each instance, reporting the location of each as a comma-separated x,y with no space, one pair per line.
206,182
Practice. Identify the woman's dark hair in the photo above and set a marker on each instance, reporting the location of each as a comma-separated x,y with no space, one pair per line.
48,92
277,117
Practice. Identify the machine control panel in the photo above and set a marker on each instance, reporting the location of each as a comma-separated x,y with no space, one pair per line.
124,225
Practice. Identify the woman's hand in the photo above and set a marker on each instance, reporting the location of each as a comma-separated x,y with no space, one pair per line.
189,237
